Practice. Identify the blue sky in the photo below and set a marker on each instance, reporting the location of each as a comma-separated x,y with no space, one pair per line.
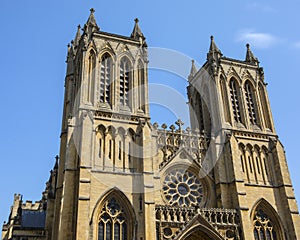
34,36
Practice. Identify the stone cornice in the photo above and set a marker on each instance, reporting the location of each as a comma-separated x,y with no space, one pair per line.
244,134
116,37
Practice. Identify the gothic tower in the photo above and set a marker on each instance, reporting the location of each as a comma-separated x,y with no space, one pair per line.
99,186
229,101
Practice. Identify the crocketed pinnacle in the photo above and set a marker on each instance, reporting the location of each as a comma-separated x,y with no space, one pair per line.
193,69
77,36
250,58
214,52
213,46
91,23
137,33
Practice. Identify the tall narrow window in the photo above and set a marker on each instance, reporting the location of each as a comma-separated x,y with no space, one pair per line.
235,101
199,112
257,163
112,222
129,152
141,83
242,161
100,148
120,150
250,165
101,230
264,105
91,77
124,82
225,100
105,78
249,94
110,149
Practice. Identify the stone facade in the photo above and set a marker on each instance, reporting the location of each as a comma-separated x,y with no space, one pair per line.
120,177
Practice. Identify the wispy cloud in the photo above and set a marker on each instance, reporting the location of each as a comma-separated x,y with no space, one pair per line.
257,39
256,6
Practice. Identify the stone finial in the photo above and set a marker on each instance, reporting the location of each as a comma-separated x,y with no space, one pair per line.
92,10
179,123
172,127
155,125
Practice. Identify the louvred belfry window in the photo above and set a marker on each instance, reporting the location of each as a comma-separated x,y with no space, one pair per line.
124,82
235,101
250,103
105,78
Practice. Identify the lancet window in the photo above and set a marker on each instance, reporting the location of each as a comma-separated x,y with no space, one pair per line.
105,78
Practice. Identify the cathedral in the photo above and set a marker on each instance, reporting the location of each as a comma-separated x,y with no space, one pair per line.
120,177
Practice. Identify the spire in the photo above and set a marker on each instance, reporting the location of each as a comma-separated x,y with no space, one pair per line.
214,51
137,33
193,70
250,58
77,36
91,24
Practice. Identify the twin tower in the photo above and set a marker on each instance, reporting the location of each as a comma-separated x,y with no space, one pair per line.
119,177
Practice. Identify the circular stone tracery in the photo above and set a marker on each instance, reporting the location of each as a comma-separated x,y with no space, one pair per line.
182,188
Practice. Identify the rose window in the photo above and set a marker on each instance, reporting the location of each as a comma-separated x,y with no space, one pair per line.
182,188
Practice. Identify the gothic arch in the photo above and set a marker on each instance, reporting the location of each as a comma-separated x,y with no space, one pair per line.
266,221
201,232
113,207
128,56
107,48
232,73
100,145
131,133
123,50
246,75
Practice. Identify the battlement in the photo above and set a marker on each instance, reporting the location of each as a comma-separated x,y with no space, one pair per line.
29,205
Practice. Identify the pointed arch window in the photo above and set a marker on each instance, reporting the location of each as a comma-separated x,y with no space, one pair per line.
250,101
264,228
124,81
264,105
91,77
105,78
112,223
141,83
235,101
225,99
